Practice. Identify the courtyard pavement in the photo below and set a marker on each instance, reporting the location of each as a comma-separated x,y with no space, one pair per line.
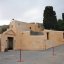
34,57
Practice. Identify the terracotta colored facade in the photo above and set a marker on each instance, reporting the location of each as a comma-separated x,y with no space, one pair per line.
19,36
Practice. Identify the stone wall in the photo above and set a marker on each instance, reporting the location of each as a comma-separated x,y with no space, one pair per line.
25,41
39,42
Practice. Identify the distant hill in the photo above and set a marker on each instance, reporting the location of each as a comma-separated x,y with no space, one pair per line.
3,28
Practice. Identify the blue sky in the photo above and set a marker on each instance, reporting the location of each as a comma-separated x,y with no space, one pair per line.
28,10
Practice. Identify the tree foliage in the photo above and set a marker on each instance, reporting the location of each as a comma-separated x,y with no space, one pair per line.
63,16
61,25
49,20
3,28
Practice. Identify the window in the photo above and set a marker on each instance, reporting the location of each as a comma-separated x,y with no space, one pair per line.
63,35
47,35
30,27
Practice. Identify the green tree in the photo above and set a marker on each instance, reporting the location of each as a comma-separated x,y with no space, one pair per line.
61,25
3,28
49,20
63,16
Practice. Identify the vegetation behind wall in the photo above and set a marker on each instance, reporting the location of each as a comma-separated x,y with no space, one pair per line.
3,28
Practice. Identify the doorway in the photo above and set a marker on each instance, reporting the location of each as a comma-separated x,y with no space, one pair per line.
10,43
0,44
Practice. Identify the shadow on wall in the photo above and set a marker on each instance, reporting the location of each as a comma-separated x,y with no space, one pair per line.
35,33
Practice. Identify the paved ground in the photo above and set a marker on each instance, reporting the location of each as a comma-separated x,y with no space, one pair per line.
34,57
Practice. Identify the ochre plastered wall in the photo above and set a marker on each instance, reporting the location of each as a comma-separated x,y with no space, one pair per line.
56,36
4,37
39,42
32,42
34,27
23,40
